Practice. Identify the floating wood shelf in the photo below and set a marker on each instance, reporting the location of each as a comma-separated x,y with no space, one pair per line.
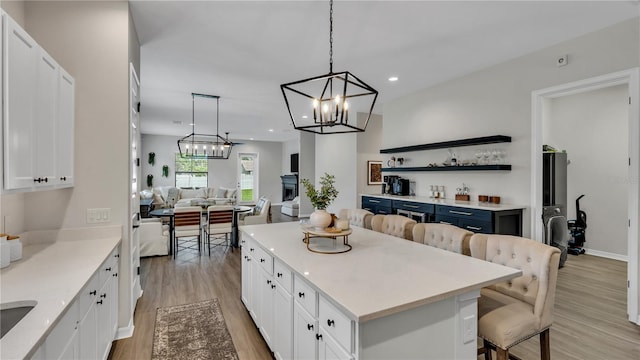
494,139
449,168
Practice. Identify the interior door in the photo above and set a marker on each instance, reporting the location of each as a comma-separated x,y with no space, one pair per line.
248,178
134,210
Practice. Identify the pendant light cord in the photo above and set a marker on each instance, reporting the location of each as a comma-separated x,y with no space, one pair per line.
331,36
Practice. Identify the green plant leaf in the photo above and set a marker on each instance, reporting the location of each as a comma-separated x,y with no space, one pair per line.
323,197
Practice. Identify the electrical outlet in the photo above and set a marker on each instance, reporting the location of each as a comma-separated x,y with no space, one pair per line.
95,216
562,60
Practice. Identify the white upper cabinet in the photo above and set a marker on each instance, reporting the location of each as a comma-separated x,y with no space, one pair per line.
19,56
65,134
38,114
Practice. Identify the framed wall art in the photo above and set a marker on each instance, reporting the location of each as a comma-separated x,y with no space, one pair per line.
374,172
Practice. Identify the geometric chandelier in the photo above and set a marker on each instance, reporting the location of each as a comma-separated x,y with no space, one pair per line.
330,103
205,146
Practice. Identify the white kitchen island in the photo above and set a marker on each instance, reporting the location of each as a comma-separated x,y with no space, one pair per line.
387,298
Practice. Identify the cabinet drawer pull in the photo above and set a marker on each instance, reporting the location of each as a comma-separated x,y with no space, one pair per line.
330,322
261,260
279,274
37,180
103,295
115,274
268,281
46,179
411,206
300,294
309,327
273,286
444,222
94,292
318,336
107,269
64,178
251,249
374,201
99,302
460,212
473,228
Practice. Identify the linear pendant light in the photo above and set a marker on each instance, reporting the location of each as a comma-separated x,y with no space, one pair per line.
205,146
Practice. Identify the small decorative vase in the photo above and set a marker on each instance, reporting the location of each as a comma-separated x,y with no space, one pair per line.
320,219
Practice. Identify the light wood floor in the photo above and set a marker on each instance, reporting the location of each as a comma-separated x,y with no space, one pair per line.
590,312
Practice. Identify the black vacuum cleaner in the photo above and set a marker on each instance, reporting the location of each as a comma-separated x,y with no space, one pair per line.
577,229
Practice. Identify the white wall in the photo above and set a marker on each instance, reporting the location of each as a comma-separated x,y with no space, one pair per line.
593,128
222,173
307,169
336,155
369,145
288,148
495,101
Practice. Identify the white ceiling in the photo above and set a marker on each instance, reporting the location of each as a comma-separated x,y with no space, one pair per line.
243,50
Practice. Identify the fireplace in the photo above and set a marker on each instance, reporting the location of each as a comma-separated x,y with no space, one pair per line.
289,187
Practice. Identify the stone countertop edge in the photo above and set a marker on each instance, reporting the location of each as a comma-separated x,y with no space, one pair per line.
283,241
450,202
52,273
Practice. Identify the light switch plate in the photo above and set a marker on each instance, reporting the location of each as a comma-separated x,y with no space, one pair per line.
95,216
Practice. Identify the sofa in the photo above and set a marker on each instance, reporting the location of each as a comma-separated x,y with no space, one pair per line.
291,207
154,237
170,196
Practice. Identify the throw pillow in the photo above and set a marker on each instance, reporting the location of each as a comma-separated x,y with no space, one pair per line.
221,193
211,192
231,193
172,196
146,194
192,194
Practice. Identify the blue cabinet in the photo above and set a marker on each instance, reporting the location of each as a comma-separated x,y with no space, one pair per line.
507,222
377,205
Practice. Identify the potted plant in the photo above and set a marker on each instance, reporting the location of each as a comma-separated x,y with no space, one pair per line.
320,199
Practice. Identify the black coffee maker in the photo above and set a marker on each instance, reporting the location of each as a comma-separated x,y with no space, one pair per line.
401,186
387,185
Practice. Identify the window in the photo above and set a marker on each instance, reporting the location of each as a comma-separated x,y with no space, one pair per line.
191,173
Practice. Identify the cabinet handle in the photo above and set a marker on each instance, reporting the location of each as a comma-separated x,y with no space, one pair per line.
268,281
411,206
261,260
309,327
116,255
115,274
245,257
38,180
318,336
460,212
273,286
107,269
46,179
64,178
444,222
330,322
300,294
374,201
279,274
103,295
473,228
94,292
251,249
99,302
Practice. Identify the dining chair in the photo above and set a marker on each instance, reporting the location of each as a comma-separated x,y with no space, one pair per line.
443,236
261,213
187,226
395,225
513,311
218,226
357,217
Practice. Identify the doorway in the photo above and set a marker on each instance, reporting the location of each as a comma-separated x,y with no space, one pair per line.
248,178
541,100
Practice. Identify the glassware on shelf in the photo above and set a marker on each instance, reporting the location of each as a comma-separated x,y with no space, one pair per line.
478,157
486,155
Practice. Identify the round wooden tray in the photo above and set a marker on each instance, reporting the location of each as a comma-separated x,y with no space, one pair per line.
326,241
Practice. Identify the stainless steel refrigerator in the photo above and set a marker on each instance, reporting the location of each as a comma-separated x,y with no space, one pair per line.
554,183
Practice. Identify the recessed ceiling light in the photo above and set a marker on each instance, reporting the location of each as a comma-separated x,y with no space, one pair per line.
305,117
393,78
270,130
250,138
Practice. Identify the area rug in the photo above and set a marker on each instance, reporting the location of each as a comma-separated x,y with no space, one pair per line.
192,331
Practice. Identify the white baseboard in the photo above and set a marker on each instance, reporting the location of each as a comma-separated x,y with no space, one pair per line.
607,255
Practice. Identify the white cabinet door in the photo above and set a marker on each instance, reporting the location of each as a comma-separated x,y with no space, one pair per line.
45,120
104,320
283,324
304,334
113,303
265,314
72,351
88,332
328,348
19,73
246,279
255,286
65,129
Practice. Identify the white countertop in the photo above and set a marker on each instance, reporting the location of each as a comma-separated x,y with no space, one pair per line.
382,274
450,202
52,274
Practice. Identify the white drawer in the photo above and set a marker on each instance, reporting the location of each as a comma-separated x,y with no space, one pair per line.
305,295
88,294
282,275
336,323
265,260
108,267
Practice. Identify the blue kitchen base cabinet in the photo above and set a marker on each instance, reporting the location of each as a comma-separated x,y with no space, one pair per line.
506,222
377,205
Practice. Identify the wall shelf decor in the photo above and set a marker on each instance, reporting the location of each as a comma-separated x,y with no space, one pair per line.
449,168
494,139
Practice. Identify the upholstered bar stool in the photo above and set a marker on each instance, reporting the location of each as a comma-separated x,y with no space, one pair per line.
395,225
513,311
357,217
443,236
187,222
